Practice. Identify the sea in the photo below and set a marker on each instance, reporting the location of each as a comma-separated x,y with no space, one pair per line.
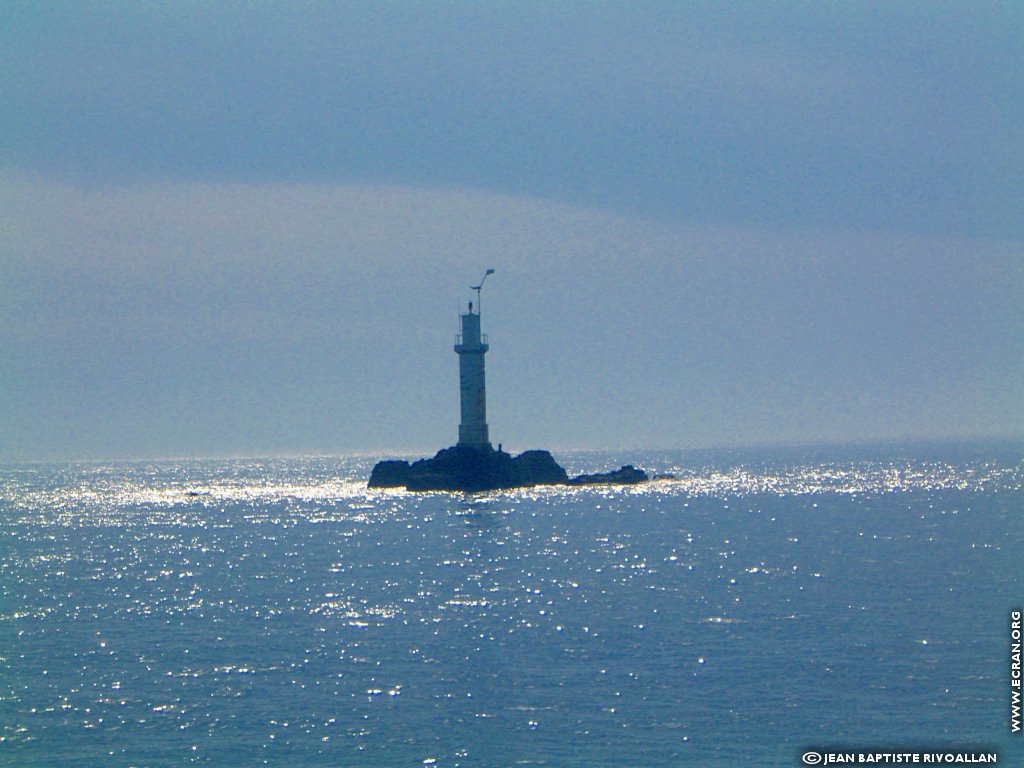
757,605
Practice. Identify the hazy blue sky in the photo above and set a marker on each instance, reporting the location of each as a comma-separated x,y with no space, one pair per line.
248,228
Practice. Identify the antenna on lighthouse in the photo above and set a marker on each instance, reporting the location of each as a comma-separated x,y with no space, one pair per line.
477,288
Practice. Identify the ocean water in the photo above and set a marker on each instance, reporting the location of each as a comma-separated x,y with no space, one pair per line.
276,612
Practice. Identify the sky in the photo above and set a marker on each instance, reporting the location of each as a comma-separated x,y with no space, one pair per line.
235,229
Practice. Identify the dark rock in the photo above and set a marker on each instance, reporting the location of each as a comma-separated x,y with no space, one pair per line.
389,474
472,469
462,469
627,475
538,468
469,469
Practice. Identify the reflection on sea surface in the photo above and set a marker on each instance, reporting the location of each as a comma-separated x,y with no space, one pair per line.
277,612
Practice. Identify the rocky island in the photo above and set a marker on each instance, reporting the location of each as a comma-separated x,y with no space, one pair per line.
473,464
461,468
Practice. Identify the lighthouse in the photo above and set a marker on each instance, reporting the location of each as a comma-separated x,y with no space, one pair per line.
473,465
471,347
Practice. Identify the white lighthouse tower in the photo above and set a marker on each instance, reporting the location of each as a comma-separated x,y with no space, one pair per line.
471,347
